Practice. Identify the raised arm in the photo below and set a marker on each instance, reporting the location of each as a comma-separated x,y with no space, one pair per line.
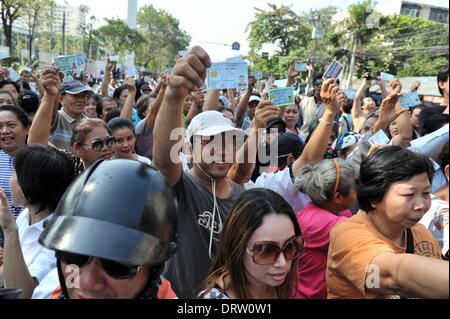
42,122
154,110
211,100
317,145
384,91
357,110
15,270
107,77
265,112
243,102
231,95
411,276
127,110
188,74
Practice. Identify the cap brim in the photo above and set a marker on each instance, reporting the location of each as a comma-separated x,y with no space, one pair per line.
219,129
101,239
76,91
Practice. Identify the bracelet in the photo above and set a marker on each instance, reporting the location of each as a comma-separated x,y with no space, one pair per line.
325,122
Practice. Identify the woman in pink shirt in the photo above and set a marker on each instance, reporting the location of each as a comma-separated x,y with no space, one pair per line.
331,186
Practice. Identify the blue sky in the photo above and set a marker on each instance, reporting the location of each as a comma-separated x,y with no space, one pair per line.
219,21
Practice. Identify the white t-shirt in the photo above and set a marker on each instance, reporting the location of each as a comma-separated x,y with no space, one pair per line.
145,160
281,183
39,260
47,286
436,221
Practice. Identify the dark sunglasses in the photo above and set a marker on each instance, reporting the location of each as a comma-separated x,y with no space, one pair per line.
98,145
267,253
113,269
318,83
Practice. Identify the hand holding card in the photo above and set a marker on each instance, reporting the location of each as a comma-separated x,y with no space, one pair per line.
282,97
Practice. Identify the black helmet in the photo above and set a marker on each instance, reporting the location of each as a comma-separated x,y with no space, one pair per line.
119,210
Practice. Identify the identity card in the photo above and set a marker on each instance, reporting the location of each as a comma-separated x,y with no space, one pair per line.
227,75
334,70
282,97
410,100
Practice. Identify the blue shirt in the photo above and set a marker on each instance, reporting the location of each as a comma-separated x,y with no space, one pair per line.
6,170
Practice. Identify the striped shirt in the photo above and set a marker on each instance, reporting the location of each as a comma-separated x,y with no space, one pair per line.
6,170
62,130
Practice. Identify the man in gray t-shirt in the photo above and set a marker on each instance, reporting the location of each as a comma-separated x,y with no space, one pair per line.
205,194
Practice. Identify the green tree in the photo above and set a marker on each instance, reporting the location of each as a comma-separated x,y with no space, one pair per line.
35,12
164,38
407,46
11,10
117,36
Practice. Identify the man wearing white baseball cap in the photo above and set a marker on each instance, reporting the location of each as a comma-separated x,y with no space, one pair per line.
205,194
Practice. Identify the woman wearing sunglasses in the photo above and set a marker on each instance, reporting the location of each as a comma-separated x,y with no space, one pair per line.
259,246
40,177
331,186
91,140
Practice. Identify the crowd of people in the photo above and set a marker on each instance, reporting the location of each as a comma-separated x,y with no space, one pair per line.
167,190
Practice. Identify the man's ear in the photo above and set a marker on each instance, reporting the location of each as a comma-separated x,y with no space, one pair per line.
290,159
76,149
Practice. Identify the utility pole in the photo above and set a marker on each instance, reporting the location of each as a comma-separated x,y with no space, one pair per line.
317,34
352,63
64,33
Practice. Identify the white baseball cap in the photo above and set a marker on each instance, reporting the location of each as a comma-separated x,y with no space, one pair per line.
212,123
254,98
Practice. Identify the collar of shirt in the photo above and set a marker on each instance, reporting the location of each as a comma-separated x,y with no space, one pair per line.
68,117
39,225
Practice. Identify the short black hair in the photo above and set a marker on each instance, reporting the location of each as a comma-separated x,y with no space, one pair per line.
100,104
118,91
43,174
442,77
221,109
21,115
113,114
318,77
385,167
118,123
6,82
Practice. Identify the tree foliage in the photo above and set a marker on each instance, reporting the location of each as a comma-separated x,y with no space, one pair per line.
164,38
400,45
117,36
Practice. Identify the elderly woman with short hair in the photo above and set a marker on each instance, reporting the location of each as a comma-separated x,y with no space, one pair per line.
382,252
331,186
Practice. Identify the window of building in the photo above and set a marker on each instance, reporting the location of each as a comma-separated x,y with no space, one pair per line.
410,10
439,15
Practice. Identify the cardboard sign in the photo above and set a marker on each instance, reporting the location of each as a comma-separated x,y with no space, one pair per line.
258,75
386,76
68,63
282,97
380,138
410,100
333,71
281,83
227,75
302,67
13,75
350,94
114,58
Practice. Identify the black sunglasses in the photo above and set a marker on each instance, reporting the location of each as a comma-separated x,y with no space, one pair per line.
112,268
98,145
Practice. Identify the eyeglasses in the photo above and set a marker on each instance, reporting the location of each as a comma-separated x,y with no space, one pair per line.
98,145
267,253
113,269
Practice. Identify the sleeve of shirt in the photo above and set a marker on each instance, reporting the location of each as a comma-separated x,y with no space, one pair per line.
428,144
351,252
42,265
359,153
